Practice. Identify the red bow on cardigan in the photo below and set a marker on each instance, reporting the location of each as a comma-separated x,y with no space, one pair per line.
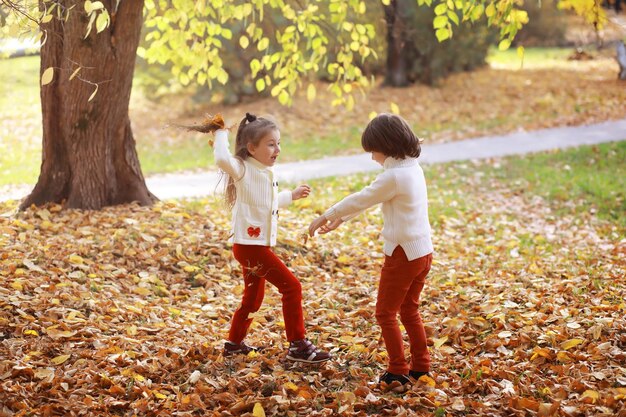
254,231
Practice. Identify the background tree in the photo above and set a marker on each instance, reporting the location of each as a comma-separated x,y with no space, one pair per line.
88,55
89,157
414,54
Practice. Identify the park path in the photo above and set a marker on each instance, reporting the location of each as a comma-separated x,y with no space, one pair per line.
189,185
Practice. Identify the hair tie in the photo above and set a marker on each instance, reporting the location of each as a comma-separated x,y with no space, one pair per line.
250,117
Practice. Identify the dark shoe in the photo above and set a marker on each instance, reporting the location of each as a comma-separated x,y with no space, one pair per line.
417,374
231,349
388,378
305,351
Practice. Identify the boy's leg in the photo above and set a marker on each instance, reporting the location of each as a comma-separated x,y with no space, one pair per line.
253,293
411,318
396,278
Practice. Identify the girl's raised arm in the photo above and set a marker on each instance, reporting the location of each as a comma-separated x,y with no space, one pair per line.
223,158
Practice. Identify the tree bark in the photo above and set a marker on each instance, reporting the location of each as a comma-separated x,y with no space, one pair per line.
89,159
396,73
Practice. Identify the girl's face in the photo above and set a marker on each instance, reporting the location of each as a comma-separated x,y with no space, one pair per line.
267,150
379,157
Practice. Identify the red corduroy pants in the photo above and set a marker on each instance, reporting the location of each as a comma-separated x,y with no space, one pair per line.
401,283
260,264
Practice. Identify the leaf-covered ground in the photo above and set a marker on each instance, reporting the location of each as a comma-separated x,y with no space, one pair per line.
124,312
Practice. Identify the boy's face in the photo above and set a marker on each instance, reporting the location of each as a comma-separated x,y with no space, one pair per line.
379,157
267,150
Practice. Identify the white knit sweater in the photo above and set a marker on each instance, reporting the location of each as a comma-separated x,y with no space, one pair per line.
401,187
255,214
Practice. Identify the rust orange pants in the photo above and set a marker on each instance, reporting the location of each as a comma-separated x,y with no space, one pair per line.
401,283
260,264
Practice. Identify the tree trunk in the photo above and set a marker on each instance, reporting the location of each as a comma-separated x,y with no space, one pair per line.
396,73
89,158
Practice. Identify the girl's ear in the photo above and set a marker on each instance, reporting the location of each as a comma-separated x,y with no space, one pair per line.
251,148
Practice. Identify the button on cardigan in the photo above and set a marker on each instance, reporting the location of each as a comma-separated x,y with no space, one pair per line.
255,213
401,188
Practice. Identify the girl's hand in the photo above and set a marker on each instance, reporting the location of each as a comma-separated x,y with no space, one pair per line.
329,227
302,191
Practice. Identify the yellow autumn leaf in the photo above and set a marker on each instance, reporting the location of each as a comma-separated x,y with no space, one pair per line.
102,21
395,109
131,330
344,259
535,269
141,291
17,285
590,396
60,359
258,410
95,91
190,268
290,386
568,344
439,342
158,395
47,76
137,377
244,42
31,332
427,380
76,259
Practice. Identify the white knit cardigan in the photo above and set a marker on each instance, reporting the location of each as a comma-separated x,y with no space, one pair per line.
255,214
401,188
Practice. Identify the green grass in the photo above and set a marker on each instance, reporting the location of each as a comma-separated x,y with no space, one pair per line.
584,179
20,126
176,157
532,58
576,180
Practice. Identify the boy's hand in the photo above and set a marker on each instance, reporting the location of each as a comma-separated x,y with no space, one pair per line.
316,224
329,227
301,191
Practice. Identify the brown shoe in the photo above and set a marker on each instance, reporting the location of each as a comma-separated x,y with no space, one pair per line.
231,349
305,351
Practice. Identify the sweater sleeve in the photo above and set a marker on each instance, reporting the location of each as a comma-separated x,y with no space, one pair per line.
351,215
223,158
284,198
382,189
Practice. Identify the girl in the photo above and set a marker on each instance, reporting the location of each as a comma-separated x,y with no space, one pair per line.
401,188
252,194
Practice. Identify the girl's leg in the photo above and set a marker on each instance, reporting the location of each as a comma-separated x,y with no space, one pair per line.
395,280
253,293
411,319
267,266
